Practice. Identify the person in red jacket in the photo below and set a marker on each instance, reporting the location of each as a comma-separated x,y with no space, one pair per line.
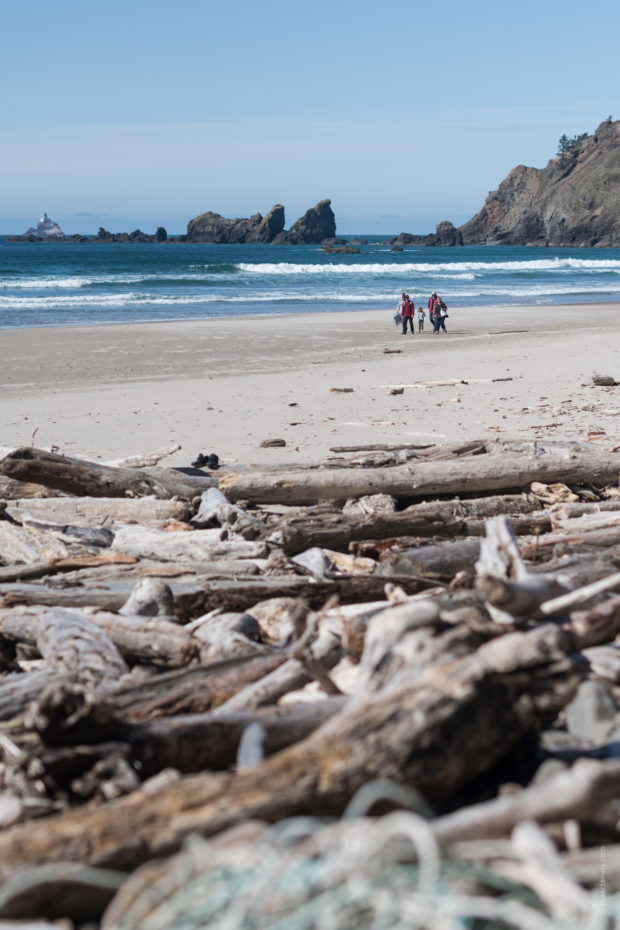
407,311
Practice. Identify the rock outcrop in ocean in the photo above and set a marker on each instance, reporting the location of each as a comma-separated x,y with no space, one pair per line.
314,226
45,229
317,223
211,227
137,235
573,201
445,236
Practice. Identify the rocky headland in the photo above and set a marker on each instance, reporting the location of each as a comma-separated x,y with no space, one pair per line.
573,201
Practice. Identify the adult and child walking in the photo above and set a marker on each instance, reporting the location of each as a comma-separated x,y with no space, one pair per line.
437,314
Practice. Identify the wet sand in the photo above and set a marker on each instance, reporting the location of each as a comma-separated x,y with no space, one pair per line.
223,386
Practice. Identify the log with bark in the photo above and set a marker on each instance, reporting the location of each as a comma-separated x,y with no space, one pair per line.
74,476
481,473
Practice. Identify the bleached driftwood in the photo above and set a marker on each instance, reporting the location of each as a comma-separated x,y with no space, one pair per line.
216,510
577,793
19,545
73,645
146,459
195,545
488,705
150,640
440,518
101,511
493,472
93,480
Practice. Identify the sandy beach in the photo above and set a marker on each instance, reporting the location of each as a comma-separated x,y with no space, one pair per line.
224,386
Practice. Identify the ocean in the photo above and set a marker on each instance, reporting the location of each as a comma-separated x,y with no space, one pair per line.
64,284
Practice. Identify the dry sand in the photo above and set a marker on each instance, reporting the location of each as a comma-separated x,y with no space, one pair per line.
223,386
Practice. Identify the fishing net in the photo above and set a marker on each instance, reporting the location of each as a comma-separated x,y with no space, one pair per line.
355,874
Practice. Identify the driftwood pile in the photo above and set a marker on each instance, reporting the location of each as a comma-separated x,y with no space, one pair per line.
420,639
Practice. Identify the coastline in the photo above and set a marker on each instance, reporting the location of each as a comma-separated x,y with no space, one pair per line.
223,386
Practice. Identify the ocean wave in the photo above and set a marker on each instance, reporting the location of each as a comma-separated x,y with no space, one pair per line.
404,268
478,290
78,282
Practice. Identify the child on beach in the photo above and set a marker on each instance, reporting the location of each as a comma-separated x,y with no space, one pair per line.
421,318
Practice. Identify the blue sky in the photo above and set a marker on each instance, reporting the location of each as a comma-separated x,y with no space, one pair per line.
143,112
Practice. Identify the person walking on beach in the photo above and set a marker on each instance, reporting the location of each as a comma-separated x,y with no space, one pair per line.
407,314
421,318
441,312
432,305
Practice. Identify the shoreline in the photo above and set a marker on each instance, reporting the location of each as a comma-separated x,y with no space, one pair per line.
465,308
223,385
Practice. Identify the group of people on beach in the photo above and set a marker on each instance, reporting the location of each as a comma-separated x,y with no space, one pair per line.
437,313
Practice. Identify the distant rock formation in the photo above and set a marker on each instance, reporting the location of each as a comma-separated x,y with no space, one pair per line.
573,201
313,227
45,229
211,227
445,236
340,250
136,236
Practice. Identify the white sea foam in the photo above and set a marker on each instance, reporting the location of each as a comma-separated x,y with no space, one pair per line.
140,300
393,268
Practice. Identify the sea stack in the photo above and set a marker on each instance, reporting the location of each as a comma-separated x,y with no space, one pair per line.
317,223
46,229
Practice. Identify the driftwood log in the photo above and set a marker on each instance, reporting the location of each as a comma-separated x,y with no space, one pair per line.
435,735
481,473
74,476
172,666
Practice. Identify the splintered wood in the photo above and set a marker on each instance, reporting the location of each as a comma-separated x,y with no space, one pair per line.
186,653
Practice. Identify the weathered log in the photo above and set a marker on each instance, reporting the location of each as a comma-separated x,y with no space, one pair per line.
194,545
198,742
600,538
574,795
147,511
291,675
194,689
78,648
435,735
93,480
337,530
481,473
64,566
149,640
18,691
441,561
567,511
519,599
202,593
145,459
26,544
216,510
